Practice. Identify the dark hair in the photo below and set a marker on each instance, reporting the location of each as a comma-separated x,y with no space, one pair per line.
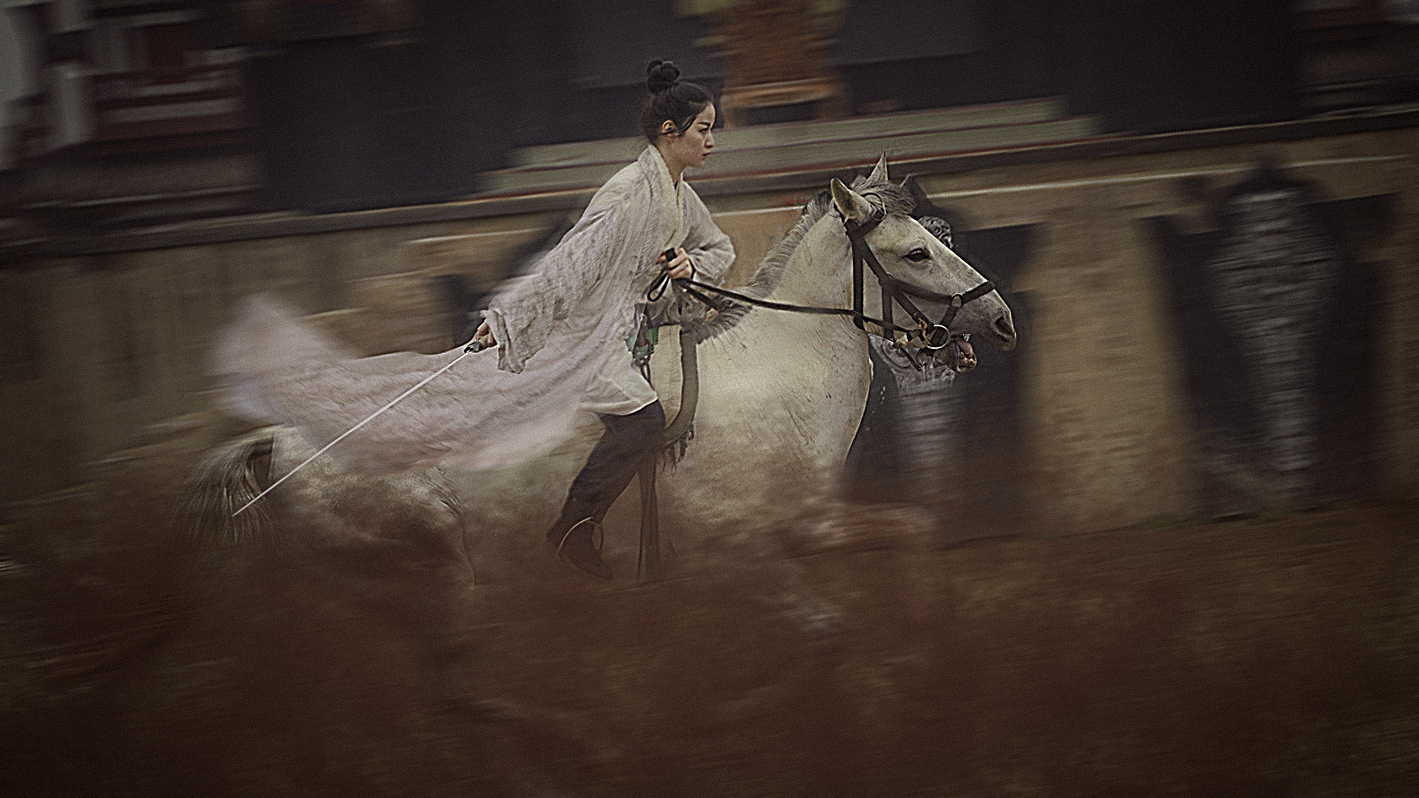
670,98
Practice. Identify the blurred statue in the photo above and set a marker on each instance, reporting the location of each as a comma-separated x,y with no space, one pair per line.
1282,422
1272,281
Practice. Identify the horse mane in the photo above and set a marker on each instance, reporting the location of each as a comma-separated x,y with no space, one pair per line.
894,200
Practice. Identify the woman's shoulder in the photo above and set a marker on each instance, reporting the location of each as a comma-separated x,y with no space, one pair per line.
617,187
690,200
626,184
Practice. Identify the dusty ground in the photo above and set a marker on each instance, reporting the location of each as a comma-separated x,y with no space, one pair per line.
1254,657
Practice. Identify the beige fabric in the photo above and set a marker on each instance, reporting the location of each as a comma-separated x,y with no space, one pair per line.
562,334
588,290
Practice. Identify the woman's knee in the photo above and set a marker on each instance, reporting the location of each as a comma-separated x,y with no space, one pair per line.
642,427
653,416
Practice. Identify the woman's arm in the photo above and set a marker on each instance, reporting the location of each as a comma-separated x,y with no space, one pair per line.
708,248
520,318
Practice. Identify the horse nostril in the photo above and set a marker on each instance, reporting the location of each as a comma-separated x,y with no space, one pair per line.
1004,327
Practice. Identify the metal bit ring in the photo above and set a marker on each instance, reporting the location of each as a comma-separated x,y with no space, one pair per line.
935,337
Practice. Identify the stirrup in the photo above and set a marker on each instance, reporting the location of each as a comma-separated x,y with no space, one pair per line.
589,563
595,527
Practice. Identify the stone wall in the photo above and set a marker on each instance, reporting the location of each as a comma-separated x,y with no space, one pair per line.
100,347
1108,428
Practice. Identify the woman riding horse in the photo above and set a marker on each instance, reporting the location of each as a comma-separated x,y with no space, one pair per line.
562,336
648,206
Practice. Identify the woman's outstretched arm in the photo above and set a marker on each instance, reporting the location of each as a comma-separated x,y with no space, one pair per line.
520,318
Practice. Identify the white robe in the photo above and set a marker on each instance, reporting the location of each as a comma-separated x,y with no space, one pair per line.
562,336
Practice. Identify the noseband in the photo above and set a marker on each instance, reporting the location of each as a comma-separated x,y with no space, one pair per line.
928,335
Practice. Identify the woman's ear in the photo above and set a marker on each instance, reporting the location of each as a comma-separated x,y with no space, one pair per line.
667,128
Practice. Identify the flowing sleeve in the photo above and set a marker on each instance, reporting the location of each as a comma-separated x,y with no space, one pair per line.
526,313
710,249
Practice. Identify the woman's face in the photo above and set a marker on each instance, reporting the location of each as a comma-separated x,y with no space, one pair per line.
692,147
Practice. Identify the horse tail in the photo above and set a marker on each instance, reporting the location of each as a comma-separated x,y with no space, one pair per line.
223,483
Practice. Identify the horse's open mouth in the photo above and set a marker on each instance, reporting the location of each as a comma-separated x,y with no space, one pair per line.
963,356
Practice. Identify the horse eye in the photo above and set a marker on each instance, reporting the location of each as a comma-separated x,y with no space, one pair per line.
918,255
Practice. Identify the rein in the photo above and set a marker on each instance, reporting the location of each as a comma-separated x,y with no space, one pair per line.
930,336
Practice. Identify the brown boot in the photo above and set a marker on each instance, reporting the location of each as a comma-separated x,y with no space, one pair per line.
576,542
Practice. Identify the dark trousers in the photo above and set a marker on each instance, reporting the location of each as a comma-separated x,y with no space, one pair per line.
625,444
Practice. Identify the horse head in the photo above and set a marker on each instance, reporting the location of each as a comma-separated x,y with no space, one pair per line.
919,259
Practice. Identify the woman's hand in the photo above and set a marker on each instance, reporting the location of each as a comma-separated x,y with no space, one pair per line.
680,266
484,336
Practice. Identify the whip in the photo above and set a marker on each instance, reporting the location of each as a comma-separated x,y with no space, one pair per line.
475,346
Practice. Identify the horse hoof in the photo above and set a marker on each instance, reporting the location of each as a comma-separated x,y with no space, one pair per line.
588,561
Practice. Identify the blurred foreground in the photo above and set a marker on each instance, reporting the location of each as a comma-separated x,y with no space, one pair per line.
1255,656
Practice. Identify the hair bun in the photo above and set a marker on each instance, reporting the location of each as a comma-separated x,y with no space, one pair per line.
661,75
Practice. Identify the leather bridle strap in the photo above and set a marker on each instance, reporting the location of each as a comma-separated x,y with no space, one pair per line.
856,236
934,335
953,302
936,296
690,286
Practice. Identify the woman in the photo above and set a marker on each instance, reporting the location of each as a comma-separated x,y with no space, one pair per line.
648,206
561,335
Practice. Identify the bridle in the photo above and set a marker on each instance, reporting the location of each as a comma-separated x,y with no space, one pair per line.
927,335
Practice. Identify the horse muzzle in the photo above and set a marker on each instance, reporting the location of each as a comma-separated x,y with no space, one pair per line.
1001,332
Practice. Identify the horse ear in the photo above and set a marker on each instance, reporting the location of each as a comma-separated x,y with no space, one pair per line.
851,204
879,172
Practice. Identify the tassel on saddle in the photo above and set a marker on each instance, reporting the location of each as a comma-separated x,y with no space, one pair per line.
676,437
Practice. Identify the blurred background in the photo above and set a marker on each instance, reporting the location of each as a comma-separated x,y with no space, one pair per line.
348,105
1165,545
391,160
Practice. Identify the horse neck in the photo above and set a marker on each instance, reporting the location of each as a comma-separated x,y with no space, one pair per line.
819,272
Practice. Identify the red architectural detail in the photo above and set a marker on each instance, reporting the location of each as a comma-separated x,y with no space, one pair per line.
171,100
777,53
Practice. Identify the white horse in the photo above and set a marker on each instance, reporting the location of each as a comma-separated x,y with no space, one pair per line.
781,396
